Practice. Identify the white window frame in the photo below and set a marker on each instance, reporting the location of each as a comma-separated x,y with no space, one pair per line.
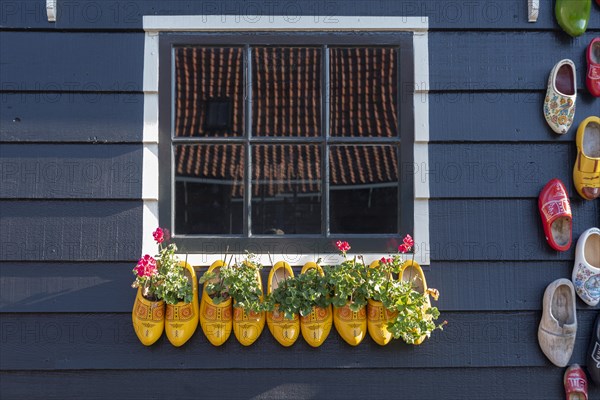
419,26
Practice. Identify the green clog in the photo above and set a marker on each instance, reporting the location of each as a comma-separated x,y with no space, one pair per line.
573,15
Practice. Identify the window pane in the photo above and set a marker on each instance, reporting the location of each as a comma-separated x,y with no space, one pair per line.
286,91
286,189
363,189
209,91
209,189
363,92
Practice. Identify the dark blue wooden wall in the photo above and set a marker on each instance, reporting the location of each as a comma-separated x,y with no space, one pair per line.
71,108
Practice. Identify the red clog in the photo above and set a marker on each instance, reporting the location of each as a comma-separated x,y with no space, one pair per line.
575,381
593,71
555,210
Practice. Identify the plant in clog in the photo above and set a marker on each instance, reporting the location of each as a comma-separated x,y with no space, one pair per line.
573,15
283,301
148,315
216,313
586,171
181,298
593,69
415,322
350,295
561,94
586,272
305,295
316,316
555,211
378,316
245,288
164,280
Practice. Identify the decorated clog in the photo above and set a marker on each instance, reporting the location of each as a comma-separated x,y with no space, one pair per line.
148,319
216,320
586,171
315,327
248,326
558,326
555,211
559,104
593,353
593,70
573,15
575,381
181,319
378,318
351,325
412,272
284,330
586,272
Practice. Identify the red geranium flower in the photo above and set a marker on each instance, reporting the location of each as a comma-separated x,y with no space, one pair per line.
159,235
146,266
403,248
342,246
408,241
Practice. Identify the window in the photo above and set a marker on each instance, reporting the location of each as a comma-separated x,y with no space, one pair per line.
286,143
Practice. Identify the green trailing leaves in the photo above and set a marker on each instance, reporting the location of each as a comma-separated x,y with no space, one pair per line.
299,294
173,284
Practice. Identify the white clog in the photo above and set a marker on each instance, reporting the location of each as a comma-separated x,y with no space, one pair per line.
586,272
559,104
558,327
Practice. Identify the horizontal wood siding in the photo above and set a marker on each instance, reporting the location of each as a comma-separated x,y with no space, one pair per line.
70,230
71,124
65,171
498,116
95,341
127,14
55,117
72,62
532,383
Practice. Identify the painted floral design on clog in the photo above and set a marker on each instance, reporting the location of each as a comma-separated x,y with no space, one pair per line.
586,272
559,104
587,284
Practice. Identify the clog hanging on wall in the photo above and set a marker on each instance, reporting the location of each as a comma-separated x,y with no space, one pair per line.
573,15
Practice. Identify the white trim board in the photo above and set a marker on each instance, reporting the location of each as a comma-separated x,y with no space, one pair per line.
153,24
269,23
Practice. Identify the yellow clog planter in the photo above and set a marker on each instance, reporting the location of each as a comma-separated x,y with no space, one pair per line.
148,319
316,326
181,319
378,318
284,330
247,327
411,271
216,320
351,325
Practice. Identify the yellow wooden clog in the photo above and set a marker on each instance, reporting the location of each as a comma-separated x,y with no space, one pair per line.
586,172
315,327
284,330
247,327
351,325
378,318
216,320
181,319
411,271
148,319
